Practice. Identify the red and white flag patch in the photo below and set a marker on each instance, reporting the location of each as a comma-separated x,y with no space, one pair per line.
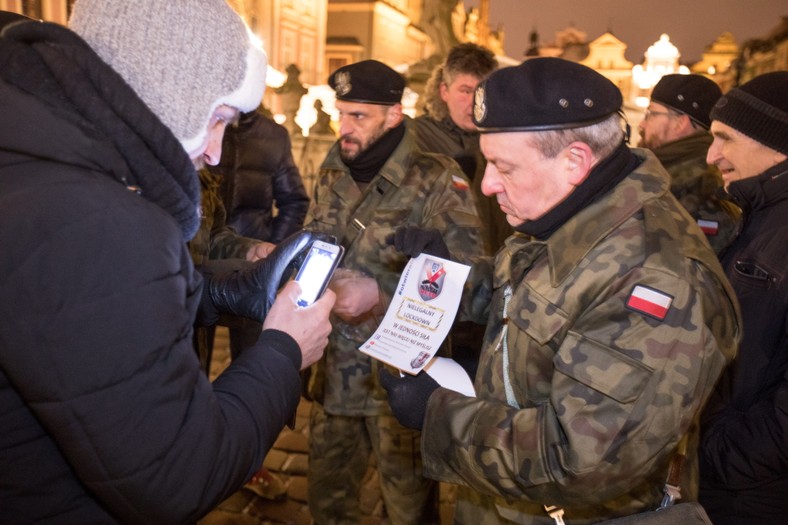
709,227
459,183
649,301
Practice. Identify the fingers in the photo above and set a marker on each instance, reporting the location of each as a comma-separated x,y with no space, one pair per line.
291,290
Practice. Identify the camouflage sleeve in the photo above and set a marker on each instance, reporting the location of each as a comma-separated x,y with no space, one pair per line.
225,243
619,390
718,218
448,207
478,290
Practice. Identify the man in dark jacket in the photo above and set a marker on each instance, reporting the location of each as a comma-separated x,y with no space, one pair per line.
676,129
257,173
744,443
106,416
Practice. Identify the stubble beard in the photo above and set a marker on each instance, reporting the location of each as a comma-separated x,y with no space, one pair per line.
349,155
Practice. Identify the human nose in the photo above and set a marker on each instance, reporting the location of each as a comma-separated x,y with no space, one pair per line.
344,126
491,181
213,151
713,155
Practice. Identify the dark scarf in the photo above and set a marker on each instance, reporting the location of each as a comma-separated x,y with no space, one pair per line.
368,163
58,67
602,178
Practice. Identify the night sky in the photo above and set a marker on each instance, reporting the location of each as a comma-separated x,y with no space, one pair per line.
691,24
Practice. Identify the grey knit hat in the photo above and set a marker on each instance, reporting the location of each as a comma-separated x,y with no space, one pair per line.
184,58
759,109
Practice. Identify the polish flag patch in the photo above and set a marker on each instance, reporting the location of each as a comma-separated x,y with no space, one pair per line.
709,227
649,301
459,183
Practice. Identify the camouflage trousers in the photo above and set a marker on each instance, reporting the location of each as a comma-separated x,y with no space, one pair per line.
339,451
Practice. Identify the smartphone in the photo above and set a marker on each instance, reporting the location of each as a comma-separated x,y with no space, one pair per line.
315,273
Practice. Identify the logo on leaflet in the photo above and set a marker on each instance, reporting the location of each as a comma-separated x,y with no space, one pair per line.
433,275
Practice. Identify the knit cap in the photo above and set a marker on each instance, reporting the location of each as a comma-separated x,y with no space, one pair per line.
184,58
759,109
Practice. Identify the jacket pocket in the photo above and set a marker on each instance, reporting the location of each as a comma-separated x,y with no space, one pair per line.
601,368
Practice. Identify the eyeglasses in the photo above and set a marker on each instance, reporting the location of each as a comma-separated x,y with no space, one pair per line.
650,114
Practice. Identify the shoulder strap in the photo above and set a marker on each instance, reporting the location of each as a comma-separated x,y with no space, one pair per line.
672,487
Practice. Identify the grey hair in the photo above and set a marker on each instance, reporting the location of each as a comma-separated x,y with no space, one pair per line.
602,137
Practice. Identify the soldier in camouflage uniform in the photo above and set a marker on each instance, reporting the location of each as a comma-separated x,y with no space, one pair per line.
676,129
372,181
610,319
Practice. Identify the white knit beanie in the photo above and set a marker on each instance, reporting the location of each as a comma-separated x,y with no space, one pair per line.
184,58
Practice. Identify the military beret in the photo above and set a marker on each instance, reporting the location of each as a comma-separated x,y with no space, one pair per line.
541,94
693,95
369,82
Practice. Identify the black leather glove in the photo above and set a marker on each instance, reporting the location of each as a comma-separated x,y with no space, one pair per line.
413,241
408,396
250,291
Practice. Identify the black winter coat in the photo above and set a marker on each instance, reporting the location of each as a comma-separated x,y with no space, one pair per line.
105,414
744,446
258,172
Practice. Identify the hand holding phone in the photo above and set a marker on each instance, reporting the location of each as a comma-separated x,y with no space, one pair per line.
313,276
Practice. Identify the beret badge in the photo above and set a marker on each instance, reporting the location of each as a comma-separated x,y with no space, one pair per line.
343,85
479,104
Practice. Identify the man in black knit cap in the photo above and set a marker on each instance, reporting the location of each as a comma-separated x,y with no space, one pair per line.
744,442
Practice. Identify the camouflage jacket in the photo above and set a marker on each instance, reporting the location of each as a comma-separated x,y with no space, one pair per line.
695,184
412,188
443,136
601,383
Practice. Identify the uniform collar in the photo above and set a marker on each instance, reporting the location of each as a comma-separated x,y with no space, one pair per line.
568,245
393,170
689,146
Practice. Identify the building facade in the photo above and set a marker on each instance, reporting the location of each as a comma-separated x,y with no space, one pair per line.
606,54
293,32
384,30
49,10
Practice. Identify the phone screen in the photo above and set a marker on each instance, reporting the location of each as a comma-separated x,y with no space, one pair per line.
319,265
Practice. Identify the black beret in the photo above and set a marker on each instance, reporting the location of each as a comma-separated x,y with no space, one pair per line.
694,95
369,82
759,109
541,94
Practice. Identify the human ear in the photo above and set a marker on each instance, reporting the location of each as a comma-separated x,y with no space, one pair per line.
444,91
579,160
393,116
